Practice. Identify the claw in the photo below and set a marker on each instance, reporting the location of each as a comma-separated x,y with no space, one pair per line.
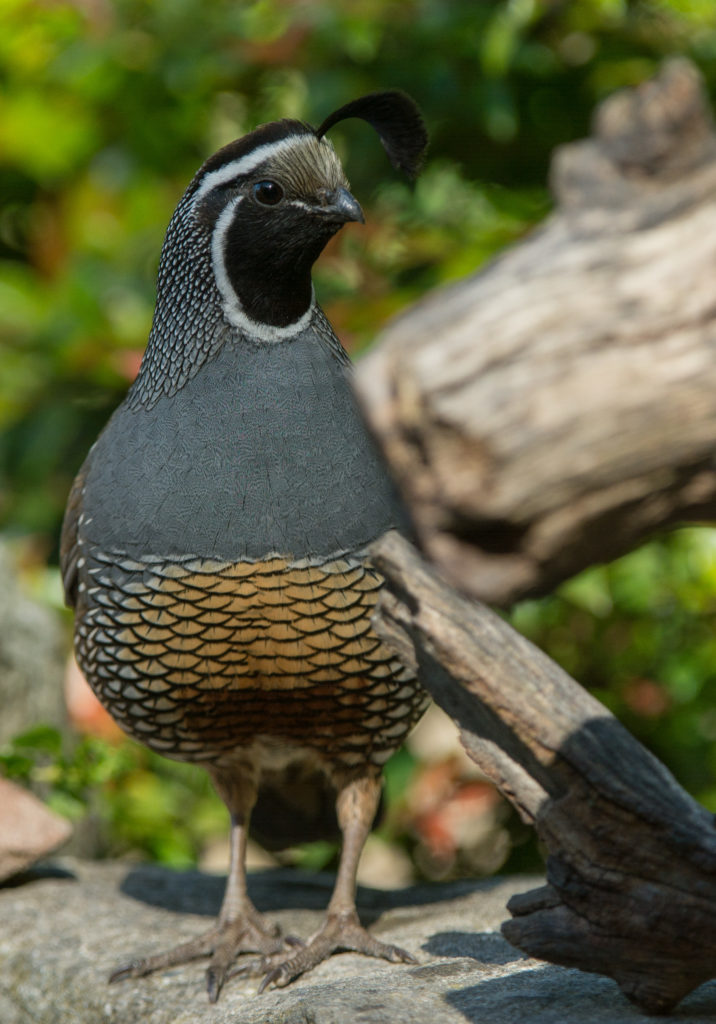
400,956
223,942
338,933
270,978
129,970
214,983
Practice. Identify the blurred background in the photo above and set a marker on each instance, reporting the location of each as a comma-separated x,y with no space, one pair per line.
107,108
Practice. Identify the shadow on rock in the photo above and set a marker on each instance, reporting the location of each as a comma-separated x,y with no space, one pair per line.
37,874
486,948
548,994
193,892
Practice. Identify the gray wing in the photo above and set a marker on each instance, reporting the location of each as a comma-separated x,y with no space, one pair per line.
69,538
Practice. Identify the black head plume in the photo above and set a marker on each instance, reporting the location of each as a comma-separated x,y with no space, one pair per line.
398,122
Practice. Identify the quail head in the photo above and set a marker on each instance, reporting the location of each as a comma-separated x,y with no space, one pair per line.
214,543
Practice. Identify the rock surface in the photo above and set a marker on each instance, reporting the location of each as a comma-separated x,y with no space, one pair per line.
32,657
64,930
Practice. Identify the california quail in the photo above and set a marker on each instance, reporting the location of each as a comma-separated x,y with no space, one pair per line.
214,540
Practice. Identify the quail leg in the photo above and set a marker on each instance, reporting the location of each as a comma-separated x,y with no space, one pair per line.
356,806
239,927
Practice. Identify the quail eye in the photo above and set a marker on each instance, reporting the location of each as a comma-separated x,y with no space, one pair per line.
268,192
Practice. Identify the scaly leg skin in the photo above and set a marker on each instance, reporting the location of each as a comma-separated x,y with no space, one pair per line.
356,806
239,927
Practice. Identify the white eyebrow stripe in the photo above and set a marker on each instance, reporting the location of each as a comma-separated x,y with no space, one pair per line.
245,164
231,304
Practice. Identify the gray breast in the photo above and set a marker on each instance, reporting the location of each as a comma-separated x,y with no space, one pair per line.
264,450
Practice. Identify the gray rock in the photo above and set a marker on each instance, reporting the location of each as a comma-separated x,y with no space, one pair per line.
61,935
32,655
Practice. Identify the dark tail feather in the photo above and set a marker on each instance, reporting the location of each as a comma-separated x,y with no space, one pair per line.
295,806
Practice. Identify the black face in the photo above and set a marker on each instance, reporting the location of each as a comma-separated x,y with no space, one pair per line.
269,249
241,243
273,199
269,227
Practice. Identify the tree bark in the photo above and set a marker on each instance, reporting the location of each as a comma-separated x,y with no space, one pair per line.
631,865
559,406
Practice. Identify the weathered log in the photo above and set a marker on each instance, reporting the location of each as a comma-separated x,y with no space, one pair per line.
559,406
631,864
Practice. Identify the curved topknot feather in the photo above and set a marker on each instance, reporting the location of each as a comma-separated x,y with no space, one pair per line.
398,122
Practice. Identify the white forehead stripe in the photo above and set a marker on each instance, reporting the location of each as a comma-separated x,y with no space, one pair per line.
233,310
246,164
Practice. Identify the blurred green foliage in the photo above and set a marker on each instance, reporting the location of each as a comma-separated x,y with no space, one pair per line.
106,110
136,801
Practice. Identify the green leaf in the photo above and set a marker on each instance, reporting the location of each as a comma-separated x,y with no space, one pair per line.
45,739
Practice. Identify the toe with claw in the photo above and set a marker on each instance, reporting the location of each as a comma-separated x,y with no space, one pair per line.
340,932
222,943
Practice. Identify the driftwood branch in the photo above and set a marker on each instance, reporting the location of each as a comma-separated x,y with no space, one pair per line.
548,413
559,406
631,865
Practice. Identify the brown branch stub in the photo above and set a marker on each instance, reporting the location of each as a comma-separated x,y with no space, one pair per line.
661,129
559,406
631,860
644,140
